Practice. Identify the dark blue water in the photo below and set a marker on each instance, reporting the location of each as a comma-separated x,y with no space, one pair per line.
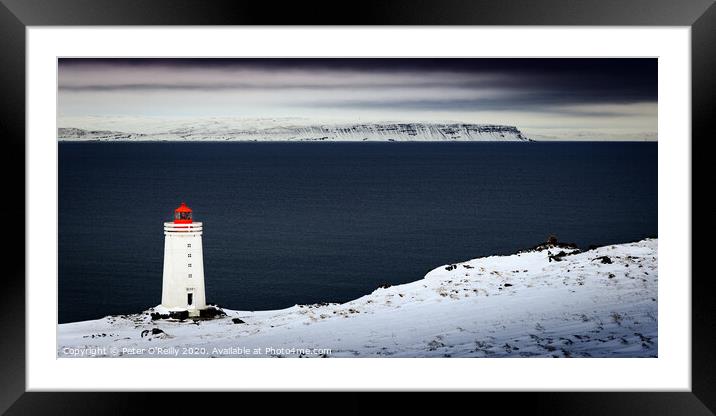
288,223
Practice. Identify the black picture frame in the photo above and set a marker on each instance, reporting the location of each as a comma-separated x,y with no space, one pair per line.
16,15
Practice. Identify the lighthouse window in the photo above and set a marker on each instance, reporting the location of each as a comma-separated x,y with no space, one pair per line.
182,215
189,275
188,255
188,245
189,264
189,298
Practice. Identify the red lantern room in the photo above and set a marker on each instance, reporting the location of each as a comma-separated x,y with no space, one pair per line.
182,215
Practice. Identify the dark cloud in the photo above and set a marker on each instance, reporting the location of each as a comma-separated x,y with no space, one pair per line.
271,86
585,66
553,80
543,101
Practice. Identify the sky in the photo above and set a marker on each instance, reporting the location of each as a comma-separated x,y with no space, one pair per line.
546,98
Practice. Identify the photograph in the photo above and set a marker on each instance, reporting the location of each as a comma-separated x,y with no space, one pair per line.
357,207
490,198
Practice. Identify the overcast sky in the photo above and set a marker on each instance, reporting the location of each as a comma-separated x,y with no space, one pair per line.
613,99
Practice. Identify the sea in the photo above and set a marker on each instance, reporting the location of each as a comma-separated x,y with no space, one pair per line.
301,223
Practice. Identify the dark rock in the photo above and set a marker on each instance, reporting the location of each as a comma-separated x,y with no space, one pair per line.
556,257
180,315
604,259
384,286
157,315
237,321
211,312
316,305
153,331
508,284
552,243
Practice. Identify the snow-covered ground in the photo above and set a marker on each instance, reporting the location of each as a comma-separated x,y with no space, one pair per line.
597,303
290,129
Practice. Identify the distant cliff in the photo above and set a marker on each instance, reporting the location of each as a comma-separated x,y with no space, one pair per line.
213,131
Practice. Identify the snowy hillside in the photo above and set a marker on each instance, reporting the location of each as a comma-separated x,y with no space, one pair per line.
286,130
546,302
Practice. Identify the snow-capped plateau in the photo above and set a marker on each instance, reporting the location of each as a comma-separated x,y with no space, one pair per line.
290,130
551,301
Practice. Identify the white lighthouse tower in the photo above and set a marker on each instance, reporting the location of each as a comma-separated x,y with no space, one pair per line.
183,281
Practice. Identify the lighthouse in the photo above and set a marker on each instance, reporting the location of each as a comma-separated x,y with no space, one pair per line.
183,280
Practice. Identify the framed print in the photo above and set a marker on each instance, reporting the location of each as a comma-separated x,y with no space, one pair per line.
483,199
